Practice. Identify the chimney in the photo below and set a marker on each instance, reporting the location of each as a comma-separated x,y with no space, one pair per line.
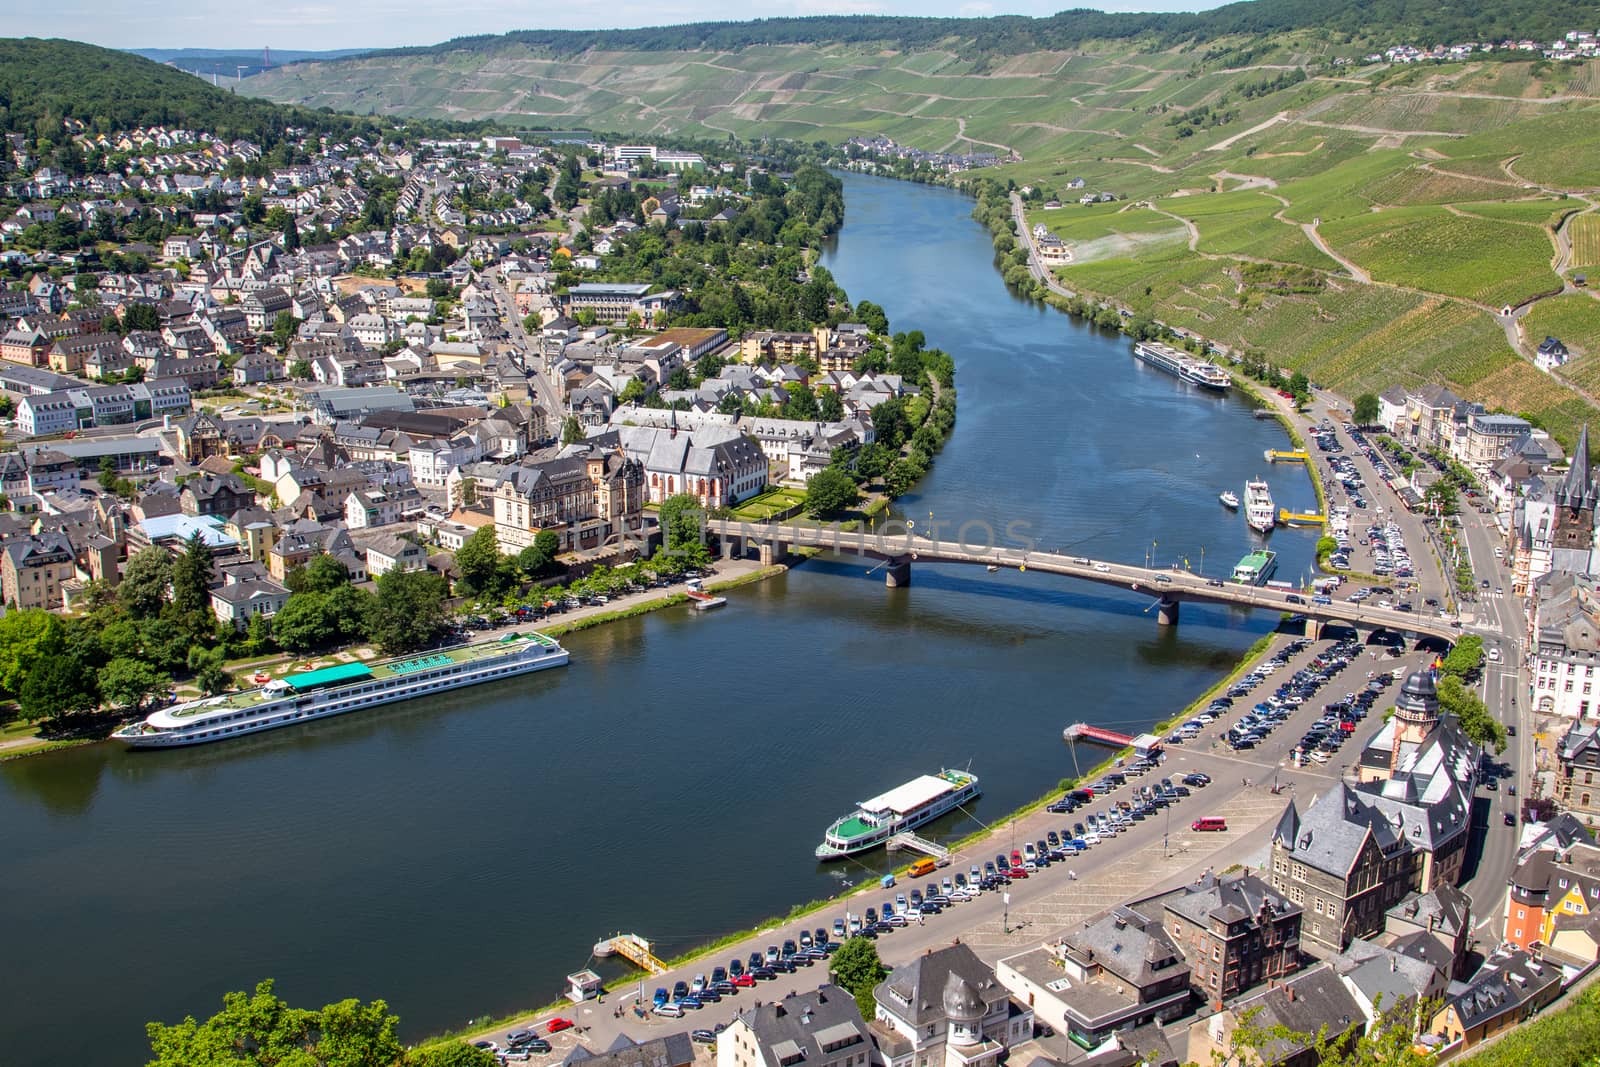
1289,992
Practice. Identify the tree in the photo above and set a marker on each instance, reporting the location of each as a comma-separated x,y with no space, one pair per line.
571,431
1465,658
209,675
1442,495
141,316
27,638
1476,722
829,407
108,474
904,473
283,329
539,556
191,580
304,622
408,613
321,574
300,370
1389,1041
450,1054
830,493
1366,410
259,1030
682,521
145,579
58,686
128,683
479,559
857,969
291,234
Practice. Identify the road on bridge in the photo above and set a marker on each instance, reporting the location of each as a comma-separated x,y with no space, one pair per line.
1168,587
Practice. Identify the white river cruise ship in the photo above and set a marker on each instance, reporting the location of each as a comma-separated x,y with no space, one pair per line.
318,694
905,807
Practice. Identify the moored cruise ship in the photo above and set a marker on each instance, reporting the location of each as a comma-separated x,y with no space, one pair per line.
1201,372
902,808
319,694
1258,507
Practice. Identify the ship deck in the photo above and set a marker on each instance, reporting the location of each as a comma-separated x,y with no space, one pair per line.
854,827
397,668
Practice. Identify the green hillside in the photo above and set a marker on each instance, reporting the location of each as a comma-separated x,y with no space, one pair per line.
1276,192
45,81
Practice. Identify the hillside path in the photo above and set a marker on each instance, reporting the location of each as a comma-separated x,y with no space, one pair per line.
1310,230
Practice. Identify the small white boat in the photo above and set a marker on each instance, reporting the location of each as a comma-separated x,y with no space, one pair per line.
1230,499
993,567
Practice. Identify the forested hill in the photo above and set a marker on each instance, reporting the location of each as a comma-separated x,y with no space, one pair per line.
43,82
1411,21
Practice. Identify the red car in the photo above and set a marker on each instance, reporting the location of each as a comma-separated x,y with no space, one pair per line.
1017,872
559,1024
744,981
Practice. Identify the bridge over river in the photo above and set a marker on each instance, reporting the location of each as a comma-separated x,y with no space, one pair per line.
902,547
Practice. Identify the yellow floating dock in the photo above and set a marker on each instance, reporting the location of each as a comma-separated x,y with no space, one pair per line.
1279,455
1300,518
634,949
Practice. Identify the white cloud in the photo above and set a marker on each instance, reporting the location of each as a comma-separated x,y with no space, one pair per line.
976,10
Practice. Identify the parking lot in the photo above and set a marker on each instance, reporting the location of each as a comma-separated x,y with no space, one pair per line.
1141,829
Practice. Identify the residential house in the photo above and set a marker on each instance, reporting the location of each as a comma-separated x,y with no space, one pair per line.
1311,1004
1506,991
772,346
236,603
1565,654
215,494
1115,971
1578,771
1489,438
391,552
819,1028
1551,354
669,1050
945,1008
33,570
365,508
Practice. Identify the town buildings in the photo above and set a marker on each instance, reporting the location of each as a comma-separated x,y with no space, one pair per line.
822,1028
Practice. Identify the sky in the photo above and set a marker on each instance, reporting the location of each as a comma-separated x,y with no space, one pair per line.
326,24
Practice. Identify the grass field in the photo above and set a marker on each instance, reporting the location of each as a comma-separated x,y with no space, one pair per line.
1242,224
1490,262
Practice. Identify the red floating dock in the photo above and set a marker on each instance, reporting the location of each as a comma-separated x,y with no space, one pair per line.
1081,731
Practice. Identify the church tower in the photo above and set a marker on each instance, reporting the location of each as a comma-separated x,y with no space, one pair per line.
1416,713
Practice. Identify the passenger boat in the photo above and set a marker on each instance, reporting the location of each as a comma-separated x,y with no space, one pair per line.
1258,508
903,808
1230,499
319,694
1256,568
1199,372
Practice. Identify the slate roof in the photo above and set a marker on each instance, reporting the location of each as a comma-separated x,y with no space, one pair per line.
1304,1004
1129,945
671,1050
916,991
1501,985
798,1026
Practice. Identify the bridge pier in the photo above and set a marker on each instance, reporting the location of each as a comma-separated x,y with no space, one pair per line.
771,552
897,574
732,547
1314,627
1167,613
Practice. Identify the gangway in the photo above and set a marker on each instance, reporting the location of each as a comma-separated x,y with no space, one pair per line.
1300,518
634,949
907,839
1280,455
1080,731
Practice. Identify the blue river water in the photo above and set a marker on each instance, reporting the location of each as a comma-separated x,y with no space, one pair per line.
458,855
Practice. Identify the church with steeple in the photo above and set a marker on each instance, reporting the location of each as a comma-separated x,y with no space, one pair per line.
1555,528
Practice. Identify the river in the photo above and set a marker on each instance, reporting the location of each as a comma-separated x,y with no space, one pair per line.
458,855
